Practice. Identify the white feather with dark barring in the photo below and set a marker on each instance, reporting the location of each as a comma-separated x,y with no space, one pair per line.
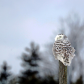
62,49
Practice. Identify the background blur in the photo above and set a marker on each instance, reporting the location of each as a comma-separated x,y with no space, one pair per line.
27,32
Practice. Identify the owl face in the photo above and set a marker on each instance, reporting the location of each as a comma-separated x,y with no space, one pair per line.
59,37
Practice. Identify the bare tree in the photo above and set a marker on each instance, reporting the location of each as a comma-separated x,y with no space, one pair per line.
73,27
75,35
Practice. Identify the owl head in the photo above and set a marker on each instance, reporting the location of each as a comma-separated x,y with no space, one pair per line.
60,37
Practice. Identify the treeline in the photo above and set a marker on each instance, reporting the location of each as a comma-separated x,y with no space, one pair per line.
31,72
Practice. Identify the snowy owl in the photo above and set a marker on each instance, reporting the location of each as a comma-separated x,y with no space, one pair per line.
62,49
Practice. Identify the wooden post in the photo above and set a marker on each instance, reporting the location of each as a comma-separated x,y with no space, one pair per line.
62,73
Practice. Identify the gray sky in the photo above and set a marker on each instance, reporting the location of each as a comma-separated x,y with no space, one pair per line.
23,21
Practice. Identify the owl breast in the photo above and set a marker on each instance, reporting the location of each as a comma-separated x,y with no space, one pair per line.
64,49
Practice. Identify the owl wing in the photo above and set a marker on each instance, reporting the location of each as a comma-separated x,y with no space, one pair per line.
54,51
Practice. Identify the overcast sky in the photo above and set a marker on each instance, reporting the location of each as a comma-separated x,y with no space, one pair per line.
23,21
